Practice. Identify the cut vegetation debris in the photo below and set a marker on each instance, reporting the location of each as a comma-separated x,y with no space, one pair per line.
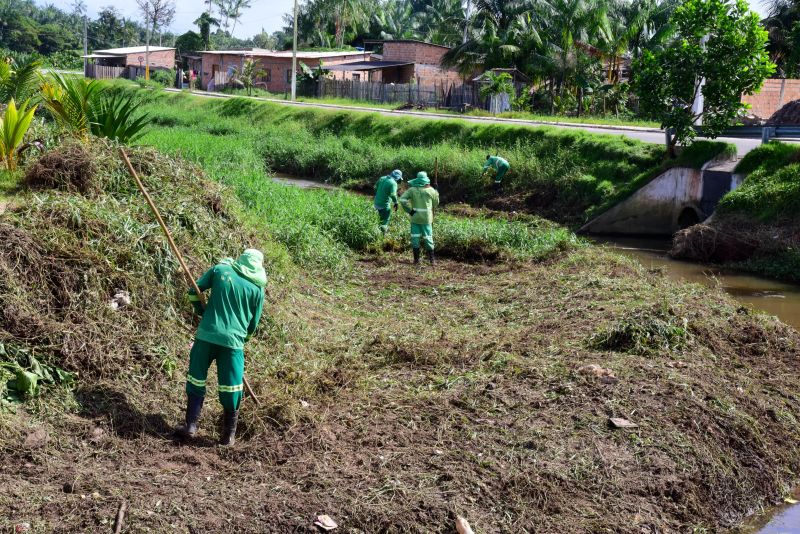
756,227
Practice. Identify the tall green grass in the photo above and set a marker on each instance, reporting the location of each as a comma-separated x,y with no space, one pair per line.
321,228
565,175
771,190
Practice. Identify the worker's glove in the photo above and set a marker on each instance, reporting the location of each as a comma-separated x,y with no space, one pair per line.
395,208
198,308
412,212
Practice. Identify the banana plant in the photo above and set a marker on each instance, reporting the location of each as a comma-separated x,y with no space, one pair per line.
13,127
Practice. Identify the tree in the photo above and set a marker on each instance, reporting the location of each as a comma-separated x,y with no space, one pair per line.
189,42
720,53
204,22
156,14
237,8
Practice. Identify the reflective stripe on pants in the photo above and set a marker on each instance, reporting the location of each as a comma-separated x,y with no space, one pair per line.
230,372
423,233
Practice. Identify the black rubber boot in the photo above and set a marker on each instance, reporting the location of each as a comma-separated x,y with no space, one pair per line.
229,428
431,257
194,406
416,256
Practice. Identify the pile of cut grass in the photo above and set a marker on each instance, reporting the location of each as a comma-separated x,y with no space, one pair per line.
67,254
565,175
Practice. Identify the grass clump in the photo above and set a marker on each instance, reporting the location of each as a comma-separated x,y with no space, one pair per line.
644,331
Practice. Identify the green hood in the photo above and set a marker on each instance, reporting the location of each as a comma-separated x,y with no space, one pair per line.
421,180
250,266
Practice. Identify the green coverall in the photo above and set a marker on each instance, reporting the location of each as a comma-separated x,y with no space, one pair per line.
229,319
385,196
419,201
500,166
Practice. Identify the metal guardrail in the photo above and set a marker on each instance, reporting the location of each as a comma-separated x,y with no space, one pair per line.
765,133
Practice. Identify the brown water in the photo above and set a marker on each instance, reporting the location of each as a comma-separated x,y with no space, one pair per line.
776,298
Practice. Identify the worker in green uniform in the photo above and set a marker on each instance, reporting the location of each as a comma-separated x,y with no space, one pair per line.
499,165
386,197
419,201
228,321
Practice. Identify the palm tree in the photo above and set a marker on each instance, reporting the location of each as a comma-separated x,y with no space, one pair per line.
396,20
204,22
444,22
346,14
236,11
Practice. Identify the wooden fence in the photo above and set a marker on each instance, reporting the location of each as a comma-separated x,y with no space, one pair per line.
102,72
442,95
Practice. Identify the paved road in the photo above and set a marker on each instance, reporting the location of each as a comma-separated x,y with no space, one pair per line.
648,135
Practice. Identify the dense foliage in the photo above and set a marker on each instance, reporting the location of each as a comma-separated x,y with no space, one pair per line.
718,53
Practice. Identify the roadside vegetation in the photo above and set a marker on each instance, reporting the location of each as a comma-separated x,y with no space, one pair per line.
755,226
565,176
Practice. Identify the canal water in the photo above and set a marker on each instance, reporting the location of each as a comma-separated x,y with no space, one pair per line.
776,298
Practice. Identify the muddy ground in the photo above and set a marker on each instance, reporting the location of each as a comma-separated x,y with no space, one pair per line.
401,397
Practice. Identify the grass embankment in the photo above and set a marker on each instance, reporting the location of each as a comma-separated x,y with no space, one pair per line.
756,227
319,227
563,175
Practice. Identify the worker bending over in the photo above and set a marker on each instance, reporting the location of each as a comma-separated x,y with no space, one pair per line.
228,321
419,201
499,165
386,197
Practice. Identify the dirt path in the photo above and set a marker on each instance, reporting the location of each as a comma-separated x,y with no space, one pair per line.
405,396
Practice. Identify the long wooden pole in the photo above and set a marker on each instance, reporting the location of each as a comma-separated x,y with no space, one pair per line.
175,250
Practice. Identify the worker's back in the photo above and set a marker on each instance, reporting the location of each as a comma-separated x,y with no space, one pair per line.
423,200
233,309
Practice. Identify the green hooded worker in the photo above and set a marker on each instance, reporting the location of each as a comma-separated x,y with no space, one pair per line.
419,201
229,319
499,165
386,197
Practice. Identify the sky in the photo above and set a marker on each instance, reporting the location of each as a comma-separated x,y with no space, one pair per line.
266,14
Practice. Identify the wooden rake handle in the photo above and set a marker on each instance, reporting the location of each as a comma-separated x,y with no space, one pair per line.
187,273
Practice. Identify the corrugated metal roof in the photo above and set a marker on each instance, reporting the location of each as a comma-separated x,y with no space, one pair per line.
417,41
283,53
366,65
132,50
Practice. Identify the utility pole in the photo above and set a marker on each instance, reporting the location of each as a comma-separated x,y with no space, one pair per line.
294,56
85,45
147,54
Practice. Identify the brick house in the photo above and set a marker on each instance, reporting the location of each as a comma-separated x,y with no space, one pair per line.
218,65
773,95
401,61
134,56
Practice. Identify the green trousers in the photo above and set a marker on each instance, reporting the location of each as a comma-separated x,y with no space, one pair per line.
501,171
424,233
230,372
385,215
